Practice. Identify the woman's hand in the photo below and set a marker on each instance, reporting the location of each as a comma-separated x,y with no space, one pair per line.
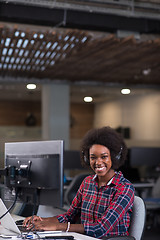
45,224
30,220
38,223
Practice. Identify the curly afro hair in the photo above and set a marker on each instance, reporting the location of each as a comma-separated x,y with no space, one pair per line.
109,138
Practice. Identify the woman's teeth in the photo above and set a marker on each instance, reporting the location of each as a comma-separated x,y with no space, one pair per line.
100,168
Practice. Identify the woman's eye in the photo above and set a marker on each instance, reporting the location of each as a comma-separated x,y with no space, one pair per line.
104,157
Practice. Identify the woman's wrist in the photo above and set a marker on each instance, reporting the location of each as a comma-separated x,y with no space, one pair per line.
61,227
68,226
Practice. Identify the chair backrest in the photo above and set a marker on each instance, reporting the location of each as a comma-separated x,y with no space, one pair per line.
73,187
138,218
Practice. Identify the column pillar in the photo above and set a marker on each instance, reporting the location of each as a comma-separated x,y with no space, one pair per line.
56,112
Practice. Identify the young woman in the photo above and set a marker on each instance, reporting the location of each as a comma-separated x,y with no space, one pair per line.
104,200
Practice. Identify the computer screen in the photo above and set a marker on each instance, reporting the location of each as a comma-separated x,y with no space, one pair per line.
35,169
72,160
144,156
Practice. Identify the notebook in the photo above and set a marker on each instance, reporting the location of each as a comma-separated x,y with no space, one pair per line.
9,226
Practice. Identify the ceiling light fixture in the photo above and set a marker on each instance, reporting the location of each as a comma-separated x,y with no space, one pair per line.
31,86
146,71
88,99
125,91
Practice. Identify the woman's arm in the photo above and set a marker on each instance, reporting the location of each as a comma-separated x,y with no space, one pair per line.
51,224
57,226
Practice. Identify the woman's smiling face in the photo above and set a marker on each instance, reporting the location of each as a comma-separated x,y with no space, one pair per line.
100,160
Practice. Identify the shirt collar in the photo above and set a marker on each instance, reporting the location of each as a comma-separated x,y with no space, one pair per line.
117,177
114,180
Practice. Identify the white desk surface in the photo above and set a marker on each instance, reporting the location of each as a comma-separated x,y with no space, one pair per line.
77,236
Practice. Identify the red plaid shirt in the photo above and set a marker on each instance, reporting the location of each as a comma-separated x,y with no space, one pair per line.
103,211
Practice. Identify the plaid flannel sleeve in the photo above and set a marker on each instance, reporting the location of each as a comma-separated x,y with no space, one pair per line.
74,211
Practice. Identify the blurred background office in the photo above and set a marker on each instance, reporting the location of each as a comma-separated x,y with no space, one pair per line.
70,51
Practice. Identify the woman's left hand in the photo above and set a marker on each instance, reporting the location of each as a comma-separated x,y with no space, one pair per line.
46,224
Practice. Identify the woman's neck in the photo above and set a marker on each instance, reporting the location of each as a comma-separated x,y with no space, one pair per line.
102,181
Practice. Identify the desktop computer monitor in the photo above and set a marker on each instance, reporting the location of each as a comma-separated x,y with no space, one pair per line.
35,170
144,156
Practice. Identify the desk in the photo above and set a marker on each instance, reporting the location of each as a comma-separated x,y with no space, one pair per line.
140,187
152,203
144,185
77,236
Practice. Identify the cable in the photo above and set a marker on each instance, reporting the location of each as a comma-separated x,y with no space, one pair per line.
32,233
34,211
17,190
35,202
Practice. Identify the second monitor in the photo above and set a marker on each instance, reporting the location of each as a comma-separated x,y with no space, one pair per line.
72,160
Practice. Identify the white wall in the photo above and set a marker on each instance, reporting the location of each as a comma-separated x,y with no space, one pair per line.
17,134
140,113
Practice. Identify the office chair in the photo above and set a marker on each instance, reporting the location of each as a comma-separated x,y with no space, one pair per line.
137,222
153,206
73,187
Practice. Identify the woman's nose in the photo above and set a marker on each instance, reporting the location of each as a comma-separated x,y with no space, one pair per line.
99,160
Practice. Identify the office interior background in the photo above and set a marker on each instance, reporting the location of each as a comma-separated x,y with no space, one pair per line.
73,50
